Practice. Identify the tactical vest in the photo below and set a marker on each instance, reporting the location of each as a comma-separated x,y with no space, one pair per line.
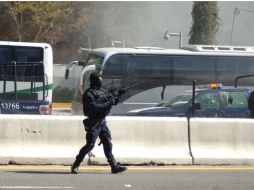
99,94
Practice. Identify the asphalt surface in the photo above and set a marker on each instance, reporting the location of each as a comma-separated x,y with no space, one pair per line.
136,178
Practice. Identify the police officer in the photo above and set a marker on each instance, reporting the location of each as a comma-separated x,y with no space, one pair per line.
96,106
251,104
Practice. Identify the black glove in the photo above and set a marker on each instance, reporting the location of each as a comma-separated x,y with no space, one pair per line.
113,101
122,91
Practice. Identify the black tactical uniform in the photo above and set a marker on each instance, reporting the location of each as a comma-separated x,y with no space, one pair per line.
96,106
251,104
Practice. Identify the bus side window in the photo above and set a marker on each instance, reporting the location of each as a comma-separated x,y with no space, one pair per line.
110,83
138,66
113,66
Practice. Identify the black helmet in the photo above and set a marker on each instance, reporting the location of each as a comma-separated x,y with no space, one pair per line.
95,80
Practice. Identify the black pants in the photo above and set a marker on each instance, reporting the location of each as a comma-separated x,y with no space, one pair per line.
101,131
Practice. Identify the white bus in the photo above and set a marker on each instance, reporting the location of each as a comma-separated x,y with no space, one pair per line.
157,74
26,74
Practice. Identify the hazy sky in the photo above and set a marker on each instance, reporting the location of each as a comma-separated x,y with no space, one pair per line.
244,23
144,23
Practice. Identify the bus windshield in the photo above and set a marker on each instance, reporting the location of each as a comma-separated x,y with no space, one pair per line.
96,60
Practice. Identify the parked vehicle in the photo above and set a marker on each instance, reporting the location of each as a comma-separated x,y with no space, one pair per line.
26,74
214,101
155,73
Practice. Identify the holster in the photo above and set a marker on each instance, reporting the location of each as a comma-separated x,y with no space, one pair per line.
90,124
87,124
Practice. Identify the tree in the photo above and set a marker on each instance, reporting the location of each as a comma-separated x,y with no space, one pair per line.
62,24
36,21
205,22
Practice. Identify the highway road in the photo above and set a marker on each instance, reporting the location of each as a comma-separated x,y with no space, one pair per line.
136,178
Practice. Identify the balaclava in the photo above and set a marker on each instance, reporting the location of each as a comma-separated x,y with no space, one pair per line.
95,80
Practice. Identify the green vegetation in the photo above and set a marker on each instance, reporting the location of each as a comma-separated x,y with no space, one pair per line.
205,22
67,25
59,23
35,21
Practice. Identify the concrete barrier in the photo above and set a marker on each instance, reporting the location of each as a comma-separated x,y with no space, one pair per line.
140,140
222,141
33,139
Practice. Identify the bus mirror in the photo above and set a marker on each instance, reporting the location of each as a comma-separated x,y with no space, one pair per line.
81,63
66,74
69,67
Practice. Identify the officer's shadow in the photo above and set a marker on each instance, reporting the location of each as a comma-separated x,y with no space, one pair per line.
57,172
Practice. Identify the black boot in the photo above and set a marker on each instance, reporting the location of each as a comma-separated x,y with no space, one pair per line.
116,168
74,167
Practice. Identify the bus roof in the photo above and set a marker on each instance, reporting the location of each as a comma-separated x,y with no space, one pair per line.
29,44
188,50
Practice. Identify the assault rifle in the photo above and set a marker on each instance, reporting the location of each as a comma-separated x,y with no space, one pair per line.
116,94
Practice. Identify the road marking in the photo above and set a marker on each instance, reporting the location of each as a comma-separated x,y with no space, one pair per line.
127,185
193,169
34,187
139,103
61,105
132,168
